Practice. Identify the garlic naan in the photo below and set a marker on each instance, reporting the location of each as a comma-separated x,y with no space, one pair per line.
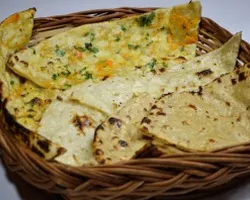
28,101
15,33
115,48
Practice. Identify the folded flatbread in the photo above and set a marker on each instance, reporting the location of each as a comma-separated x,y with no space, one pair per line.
15,33
190,76
216,117
114,48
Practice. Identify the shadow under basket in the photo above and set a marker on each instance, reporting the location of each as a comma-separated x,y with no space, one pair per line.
167,177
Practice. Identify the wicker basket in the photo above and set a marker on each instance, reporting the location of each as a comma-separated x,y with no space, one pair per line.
172,176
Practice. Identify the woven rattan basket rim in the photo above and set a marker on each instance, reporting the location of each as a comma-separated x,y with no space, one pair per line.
175,176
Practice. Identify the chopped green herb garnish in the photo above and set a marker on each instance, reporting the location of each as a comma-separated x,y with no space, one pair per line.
55,76
151,64
67,73
92,36
59,52
30,116
12,82
146,20
134,47
182,48
82,70
117,39
162,28
81,49
86,34
123,28
34,51
94,50
149,43
165,64
88,75
67,85
90,47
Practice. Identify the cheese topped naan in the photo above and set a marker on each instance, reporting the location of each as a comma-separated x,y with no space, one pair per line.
115,48
15,33
25,101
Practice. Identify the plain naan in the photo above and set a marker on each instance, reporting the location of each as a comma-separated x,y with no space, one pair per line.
215,117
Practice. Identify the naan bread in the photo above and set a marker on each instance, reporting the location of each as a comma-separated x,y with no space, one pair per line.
164,148
216,117
117,138
28,101
72,126
110,95
15,33
106,98
114,48
189,76
25,101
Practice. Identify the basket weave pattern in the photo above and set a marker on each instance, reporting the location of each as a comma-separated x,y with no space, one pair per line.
172,176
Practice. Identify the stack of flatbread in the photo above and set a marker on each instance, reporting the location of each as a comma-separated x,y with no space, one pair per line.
107,92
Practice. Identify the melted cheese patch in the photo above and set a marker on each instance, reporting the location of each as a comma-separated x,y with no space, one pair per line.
114,48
